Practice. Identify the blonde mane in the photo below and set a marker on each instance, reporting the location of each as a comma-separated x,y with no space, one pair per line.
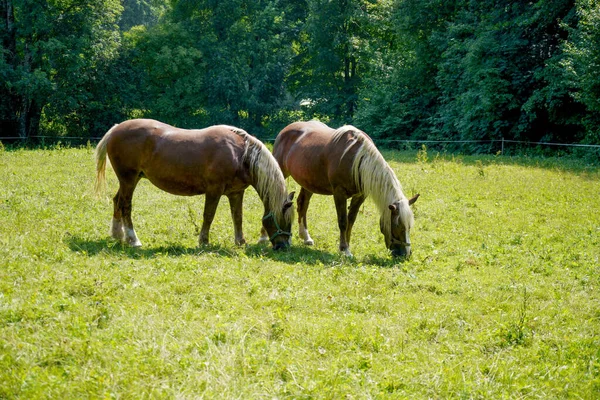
374,178
266,175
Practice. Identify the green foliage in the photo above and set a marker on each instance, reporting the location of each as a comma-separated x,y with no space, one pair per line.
400,97
581,55
141,12
500,298
398,69
331,56
482,70
51,54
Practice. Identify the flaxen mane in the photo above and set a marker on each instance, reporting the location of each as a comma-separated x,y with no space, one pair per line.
374,178
265,172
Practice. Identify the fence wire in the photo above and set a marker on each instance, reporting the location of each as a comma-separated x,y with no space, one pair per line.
406,141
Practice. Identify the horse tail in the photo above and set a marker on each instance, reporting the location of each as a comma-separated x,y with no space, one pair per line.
100,155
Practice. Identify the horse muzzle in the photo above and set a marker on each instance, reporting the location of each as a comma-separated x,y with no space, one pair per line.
401,251
281,245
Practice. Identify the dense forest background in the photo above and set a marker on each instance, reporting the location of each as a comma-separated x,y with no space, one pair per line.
402,69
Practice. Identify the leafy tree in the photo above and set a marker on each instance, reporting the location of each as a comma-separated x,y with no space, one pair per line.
582,57
50,51
331,56
167,75
141,12
475,70
400,97
218,61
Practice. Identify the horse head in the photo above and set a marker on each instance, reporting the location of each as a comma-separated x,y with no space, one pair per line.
398,239
279,225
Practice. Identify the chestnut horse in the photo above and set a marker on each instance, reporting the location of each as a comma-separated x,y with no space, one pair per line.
346,164
215,161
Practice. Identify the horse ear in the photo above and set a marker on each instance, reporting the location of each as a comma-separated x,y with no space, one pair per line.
288,203
413,199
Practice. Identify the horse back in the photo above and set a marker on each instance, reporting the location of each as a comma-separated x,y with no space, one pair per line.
308,152
179,161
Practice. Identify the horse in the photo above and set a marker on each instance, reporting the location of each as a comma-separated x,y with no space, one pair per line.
214,161
346,164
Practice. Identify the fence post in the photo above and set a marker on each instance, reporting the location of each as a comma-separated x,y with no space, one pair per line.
502,151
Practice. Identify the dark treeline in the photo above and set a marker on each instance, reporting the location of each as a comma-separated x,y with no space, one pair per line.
403,69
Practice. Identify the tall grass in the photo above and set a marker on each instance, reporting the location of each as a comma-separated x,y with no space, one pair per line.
501,298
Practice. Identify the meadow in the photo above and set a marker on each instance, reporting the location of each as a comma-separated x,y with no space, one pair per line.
500,299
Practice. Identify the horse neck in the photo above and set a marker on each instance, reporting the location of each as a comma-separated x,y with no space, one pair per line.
375,178
266,177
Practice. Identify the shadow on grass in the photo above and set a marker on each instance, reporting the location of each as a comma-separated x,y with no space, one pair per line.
572,163
300,254
294,255
113,247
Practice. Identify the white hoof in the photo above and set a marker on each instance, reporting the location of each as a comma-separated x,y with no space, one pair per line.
263,239
116,230
309,242
132,239
346,253
135,243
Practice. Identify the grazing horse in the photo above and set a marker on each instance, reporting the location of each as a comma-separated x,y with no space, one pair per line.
346,164
215,161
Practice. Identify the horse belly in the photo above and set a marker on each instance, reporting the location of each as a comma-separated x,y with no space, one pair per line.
189,175
309,174
179,184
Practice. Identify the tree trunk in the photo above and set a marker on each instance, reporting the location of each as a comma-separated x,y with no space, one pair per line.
29,119
10,103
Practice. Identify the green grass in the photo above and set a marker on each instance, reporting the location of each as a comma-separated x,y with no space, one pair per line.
501,298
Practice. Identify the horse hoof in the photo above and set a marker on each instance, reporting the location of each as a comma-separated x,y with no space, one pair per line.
263,239
346,253
309,242
118,236
135,244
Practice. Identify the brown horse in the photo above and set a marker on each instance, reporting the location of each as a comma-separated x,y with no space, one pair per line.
346,164
215,161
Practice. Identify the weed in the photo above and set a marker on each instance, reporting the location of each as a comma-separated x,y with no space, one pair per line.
422,157
517,333
480,170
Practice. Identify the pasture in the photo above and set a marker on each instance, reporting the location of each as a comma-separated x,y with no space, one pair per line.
501,298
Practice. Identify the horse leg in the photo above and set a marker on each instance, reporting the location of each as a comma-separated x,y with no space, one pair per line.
264,236
340,207
303,201
236,201
210,208
117,231
355,204
126,195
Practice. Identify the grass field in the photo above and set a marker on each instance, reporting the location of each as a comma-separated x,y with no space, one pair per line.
501,298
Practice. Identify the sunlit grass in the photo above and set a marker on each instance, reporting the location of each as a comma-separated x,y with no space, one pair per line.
501,298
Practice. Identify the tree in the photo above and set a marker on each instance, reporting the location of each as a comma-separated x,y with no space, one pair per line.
475,70
141,12
582,57
50,51
217,62
401,96
330,56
